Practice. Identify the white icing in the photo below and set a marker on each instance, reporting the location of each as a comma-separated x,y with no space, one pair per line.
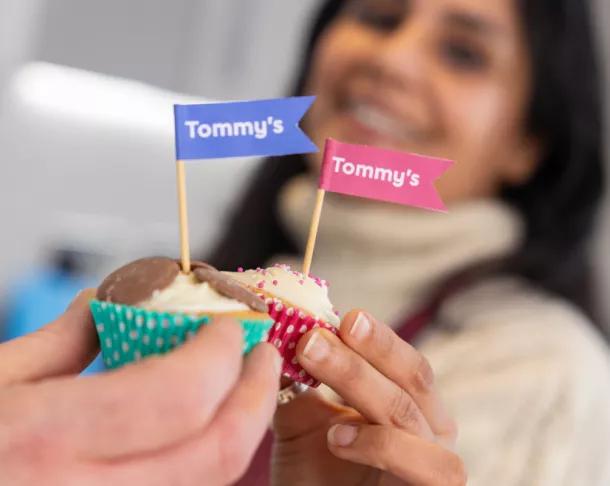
186,294
292,287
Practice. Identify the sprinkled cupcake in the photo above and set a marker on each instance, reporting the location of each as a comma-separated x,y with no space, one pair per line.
148,307
297,303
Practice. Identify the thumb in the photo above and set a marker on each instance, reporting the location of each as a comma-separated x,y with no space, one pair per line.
64,346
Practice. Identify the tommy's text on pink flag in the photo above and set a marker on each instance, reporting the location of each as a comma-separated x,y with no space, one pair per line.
385,175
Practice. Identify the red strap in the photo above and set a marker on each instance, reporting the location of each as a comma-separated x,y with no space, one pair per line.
415,323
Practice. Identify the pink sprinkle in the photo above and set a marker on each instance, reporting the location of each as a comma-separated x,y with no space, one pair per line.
261,284
336,313
274,282
240,269
301,282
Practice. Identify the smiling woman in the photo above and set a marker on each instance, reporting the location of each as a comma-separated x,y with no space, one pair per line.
441,78
500,284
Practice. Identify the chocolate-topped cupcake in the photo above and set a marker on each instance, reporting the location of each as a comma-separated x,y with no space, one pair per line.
149,307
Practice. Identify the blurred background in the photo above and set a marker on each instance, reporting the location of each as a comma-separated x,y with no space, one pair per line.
86,132
87,179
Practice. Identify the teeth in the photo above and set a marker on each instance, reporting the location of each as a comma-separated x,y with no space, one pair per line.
383,123
375,119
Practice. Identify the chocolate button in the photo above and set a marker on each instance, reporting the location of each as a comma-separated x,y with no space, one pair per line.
138,280
198,264
229,287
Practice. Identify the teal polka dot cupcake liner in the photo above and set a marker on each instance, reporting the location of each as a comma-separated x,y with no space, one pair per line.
128,334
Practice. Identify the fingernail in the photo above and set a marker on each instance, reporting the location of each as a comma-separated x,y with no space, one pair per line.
84,296
342,435
317,348
278,363
75,299
361,327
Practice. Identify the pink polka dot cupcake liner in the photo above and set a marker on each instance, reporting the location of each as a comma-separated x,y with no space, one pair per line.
290,324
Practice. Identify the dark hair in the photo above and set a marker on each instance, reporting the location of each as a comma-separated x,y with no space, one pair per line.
559,203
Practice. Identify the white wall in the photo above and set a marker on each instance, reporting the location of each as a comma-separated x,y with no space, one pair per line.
136,39
19,27
88,163
214,48
245,48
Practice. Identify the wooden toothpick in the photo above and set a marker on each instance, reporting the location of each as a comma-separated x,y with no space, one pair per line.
185,252
313,231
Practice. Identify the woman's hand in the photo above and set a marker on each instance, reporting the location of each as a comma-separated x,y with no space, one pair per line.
393,429
194,416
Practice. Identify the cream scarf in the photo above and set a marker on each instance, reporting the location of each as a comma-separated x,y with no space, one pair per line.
386,258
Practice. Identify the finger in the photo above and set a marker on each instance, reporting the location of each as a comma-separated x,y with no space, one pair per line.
147,405
393,450
380,400
307,413
65,346
400,362
222,453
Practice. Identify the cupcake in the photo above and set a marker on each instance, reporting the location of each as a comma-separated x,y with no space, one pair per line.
149,307
297,303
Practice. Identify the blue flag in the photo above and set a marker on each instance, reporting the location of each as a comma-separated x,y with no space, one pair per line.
242,129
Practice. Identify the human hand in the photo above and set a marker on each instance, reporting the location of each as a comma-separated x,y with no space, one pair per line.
194,416
393,430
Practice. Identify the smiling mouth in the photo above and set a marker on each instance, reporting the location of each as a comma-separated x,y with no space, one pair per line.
380,121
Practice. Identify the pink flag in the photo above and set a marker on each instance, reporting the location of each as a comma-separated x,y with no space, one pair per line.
386,175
